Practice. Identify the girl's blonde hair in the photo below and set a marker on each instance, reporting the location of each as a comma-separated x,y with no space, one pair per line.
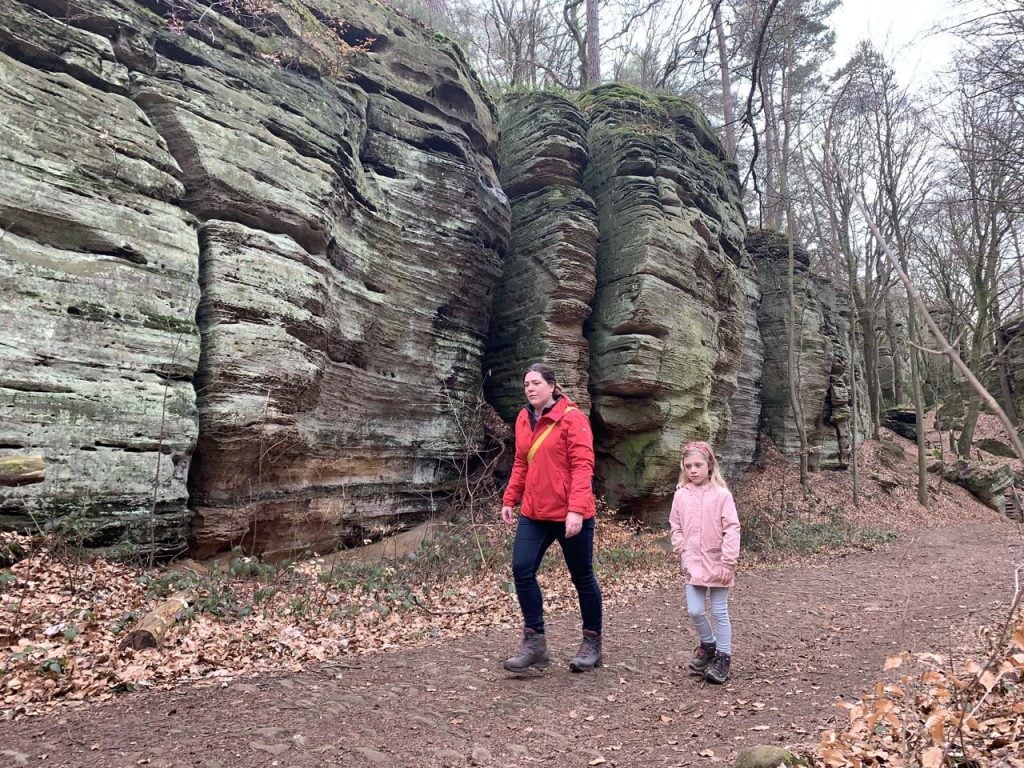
703,450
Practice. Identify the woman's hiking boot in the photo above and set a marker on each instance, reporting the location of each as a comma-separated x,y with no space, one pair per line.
702,657
589,654
533,652
718,669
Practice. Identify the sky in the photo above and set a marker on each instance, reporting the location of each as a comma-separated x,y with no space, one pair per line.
901,29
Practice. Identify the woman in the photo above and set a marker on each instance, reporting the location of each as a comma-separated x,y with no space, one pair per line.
551,477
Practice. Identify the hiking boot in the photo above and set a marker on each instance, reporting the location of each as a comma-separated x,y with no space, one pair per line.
702,656
533,652
589,654
718,669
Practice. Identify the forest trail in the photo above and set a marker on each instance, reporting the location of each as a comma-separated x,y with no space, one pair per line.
805,637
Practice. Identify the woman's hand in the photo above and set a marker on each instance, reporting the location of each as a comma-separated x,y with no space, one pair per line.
508,516
573,524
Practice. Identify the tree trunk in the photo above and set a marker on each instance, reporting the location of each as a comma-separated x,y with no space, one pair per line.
1005,376
896,349
854,413
728,110
593,44
915,384
795,338
22,470
154,625
870,342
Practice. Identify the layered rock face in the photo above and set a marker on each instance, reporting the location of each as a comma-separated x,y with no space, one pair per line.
823,357
673,308
337,238
549,275
1011,341
99,285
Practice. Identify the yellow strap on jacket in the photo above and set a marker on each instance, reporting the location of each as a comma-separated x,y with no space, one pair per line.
544,434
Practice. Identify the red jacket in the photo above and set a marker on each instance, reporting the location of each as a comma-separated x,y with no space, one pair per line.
557,480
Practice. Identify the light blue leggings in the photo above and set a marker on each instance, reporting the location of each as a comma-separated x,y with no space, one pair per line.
719,612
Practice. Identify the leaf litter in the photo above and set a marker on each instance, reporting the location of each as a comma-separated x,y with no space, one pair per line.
65,617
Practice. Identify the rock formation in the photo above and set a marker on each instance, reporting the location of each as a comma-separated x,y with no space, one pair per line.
320,194
259,270
823,356
548,280
99,286
667,333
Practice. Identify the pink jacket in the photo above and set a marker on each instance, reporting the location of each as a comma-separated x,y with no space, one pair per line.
705,534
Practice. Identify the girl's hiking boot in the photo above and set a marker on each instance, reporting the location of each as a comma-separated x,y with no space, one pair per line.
533,652
589,654
702,657
718,670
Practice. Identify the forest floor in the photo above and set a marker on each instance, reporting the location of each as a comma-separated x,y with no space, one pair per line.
864,650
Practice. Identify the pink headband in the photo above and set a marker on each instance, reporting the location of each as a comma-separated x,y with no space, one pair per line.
699,445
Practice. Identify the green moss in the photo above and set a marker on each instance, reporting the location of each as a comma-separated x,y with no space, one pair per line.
169,323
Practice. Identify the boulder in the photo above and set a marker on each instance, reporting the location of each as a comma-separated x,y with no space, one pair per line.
767,756
996,447
902,420
986,480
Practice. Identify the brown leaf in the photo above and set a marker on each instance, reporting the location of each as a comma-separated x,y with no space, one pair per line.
891,662
933,757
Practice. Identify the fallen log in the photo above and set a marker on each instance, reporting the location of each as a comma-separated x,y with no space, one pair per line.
154,625
22,470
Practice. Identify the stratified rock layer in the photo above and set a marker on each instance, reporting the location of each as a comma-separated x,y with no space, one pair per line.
340,212
548,280
823,377
670,320
98,279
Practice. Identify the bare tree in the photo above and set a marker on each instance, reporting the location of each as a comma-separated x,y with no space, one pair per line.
980,208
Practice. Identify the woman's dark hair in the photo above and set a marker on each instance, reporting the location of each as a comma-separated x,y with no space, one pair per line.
547,373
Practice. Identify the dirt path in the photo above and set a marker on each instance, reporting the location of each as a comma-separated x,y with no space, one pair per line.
805,636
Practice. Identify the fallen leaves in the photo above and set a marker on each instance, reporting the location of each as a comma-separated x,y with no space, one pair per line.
64,618
934,716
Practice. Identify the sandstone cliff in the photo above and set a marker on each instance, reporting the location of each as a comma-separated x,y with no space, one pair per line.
548,281
670,324
309,195
259,268
823,375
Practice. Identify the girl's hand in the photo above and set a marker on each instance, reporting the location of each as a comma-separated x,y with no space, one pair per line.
508,516
573,524
728,572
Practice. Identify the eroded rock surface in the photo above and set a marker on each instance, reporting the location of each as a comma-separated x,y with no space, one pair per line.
823,356
548,281
342,216
98,278
670,321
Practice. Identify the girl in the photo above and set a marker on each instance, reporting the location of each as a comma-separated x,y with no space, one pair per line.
706,536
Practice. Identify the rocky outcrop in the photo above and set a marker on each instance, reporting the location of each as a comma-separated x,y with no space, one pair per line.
740,447
329,212
986,480
669,324
901,420
823,356
549,275
1009,367
98,280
